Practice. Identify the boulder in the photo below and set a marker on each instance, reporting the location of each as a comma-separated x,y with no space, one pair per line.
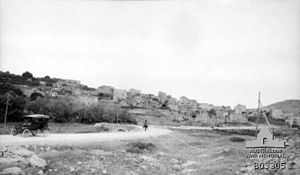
189,163
12,171
8,160
174,161
36,161
20,151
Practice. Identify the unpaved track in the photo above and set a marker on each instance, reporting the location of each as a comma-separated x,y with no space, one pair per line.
82,138
216,128
90,138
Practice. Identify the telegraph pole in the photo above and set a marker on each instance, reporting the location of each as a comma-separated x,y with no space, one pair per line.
6,109
259,109
258,113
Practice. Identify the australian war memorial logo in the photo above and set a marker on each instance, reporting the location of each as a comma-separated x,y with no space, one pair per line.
266,152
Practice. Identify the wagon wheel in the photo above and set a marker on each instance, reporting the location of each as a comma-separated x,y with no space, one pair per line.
14,131
26,133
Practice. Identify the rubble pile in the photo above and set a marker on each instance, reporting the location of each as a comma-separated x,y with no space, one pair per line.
14,158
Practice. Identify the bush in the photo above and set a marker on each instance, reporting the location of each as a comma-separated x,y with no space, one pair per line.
59,110
212,112
237,139
140,147
104,113
35,95
102,129
27,75
68,109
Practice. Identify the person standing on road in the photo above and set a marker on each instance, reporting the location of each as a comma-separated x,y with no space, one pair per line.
145,125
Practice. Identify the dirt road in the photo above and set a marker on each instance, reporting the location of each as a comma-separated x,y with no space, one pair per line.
82,138
88,138
220,127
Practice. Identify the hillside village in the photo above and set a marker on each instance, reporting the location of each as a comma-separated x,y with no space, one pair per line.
181,110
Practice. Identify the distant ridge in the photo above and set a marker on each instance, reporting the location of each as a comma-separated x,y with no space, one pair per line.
287,106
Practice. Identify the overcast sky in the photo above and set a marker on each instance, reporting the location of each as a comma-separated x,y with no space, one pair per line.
221,52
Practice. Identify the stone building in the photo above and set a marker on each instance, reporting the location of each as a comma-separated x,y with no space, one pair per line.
240,109
105,92
119,95
277,114
239,118
133,92
162,97
205,106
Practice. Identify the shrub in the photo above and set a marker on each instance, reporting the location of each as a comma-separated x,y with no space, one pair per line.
60,110
212,112
68,109
104,113
140,147
35,95
102,129
237,139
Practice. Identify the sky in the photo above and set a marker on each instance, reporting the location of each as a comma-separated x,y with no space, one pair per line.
221,52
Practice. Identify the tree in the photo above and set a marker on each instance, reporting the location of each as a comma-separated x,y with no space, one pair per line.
27,75
15,104
35,95
212,112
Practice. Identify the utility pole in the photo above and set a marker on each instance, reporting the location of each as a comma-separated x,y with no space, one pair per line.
258,113
259,109
6,109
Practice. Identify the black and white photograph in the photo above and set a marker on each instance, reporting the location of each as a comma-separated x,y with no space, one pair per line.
149,87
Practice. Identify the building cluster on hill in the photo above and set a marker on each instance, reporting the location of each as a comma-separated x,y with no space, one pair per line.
183,109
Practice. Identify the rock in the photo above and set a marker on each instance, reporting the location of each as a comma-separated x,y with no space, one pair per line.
12,160
243,169
101,152
20,151
13,171
174,161
72,169
104,171
188,171
41,172
176,167
36,161
148,159
188,163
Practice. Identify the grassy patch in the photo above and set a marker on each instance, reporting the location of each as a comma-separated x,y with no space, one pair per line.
140,147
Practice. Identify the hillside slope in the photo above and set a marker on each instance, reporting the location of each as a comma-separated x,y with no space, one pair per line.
287,106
